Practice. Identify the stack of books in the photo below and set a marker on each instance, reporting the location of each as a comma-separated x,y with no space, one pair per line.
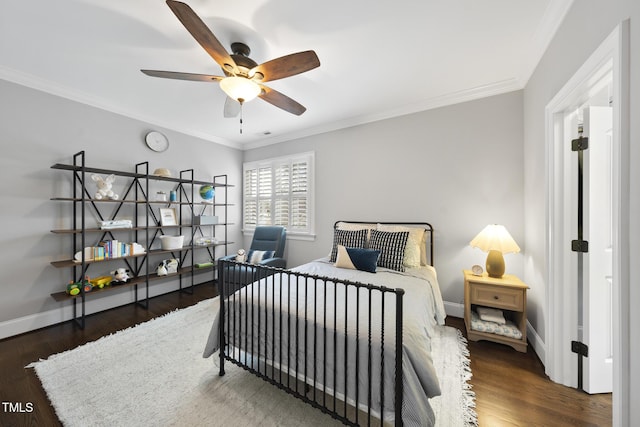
109,249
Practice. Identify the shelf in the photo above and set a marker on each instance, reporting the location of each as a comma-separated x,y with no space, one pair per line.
139,204
63,296
72,263
502,339
151,227
136,175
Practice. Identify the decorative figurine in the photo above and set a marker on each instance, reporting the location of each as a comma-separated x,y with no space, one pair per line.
167,266
120,275
104,187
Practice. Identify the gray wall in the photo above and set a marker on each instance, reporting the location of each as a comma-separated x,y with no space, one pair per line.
38,130
585,27
458,167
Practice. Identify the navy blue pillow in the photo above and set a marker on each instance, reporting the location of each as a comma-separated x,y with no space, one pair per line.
357,258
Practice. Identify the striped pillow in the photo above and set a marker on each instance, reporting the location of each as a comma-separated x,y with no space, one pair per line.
348,238
392,246
415,243
256,257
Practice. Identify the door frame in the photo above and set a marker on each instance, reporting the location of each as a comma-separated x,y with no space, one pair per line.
561,302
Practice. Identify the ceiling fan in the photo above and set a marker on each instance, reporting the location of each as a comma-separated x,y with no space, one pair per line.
243,77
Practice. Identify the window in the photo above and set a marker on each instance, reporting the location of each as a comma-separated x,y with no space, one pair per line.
280,192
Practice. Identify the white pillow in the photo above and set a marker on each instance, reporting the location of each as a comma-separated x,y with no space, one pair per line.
423,249
352,226
415,243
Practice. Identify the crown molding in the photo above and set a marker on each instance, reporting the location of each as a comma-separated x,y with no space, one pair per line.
496,88
551,21
55,89
457,97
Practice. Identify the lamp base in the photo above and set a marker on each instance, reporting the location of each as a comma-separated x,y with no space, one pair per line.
495,264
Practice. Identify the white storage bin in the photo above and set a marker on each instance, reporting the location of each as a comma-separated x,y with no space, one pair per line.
171,242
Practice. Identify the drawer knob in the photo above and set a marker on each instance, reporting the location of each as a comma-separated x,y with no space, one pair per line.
496,297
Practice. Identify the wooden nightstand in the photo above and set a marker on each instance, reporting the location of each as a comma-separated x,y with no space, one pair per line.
508,293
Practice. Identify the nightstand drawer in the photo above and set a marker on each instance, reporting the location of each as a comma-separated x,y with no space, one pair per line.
495,296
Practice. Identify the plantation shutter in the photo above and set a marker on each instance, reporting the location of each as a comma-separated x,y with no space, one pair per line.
250,198
282,184
264,196
278,192
300,195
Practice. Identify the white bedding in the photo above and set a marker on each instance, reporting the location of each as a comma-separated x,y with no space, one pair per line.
422,310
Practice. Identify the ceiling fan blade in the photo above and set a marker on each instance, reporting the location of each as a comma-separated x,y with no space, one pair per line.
276,98
203,35
182,76
285,66
231,107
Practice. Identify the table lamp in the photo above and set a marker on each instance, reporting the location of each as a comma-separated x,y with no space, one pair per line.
496,240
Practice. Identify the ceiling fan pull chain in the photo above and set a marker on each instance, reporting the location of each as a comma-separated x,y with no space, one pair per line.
241,117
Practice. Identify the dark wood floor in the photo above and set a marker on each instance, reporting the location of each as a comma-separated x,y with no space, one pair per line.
511,388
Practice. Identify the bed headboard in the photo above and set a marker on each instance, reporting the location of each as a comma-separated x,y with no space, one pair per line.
425,225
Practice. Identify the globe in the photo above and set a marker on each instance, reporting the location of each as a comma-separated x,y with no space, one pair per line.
207,192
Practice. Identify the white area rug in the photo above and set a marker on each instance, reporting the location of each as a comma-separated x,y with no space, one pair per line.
154,375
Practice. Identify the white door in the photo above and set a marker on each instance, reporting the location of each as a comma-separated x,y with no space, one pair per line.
609,62
597,272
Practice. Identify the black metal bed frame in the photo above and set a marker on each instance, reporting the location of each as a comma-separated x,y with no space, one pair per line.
238,341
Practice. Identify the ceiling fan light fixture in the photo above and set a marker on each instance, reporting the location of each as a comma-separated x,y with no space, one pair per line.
240,88
244,77
257,75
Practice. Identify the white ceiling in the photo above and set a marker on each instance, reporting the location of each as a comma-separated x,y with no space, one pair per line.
379,59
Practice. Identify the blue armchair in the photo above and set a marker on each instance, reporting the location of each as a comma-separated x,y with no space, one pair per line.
265,238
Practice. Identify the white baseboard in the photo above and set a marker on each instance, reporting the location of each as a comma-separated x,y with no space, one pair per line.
93,304
536,342
454,309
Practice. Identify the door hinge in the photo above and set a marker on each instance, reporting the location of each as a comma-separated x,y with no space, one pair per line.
580,246
580,144
580,348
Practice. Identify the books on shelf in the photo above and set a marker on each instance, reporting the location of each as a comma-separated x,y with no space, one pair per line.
109,249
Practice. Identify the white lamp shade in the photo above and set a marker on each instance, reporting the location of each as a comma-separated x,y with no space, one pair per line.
240,88
495,237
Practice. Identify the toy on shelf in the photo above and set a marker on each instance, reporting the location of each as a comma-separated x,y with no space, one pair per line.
74,288
120,276
104,187
101,282
167,266
204,264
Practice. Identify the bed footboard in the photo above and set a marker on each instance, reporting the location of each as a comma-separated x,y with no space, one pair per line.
334,344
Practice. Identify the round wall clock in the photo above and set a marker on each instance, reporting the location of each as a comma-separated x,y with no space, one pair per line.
156,141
